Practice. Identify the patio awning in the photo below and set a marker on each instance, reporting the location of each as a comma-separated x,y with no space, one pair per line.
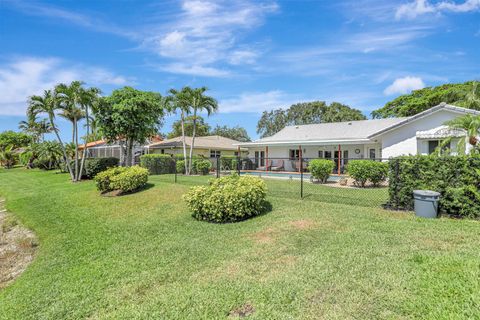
440,133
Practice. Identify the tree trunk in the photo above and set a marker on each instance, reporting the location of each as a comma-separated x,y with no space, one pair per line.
193,137
65,159
130,152
184,143
76,149
123,156
85,149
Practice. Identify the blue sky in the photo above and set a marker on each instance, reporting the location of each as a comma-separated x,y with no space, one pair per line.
253,55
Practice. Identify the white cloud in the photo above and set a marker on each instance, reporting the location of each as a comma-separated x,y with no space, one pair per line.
28,76
417,8
404,85
257,101
205,33
181,68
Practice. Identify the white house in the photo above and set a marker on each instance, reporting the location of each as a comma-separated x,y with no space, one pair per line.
372,139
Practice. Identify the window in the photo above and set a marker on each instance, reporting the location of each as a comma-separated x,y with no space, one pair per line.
236,153
320,153
434,144
371,153
328,154
215,153
162,151
294,154
345,157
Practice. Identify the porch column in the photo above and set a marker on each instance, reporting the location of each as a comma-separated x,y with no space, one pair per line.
339,164
266,158
300,156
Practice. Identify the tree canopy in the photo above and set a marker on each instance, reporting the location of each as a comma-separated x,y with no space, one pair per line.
203,129
130,115
236,133
305,113
460,94
14,139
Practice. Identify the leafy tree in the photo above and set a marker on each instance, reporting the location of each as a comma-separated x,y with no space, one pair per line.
460,94
305,113
130,115
236,133
14,139
203,129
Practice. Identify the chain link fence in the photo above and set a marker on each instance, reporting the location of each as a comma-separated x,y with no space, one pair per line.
290,178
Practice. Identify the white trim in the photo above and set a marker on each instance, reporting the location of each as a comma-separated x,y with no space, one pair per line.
305,142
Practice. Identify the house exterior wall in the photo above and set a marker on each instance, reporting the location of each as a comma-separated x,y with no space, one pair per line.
276,153
403,140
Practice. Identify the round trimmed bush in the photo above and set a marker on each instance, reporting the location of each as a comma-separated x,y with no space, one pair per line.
321,169
228,199
124,179
363,171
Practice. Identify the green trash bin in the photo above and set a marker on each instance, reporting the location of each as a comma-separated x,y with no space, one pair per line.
426,203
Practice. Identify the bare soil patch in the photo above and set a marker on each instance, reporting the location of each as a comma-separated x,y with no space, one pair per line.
242,312
264,236
17,247
303,224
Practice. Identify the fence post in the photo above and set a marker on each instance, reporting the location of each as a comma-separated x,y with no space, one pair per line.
175,169
218,166
301,178
239,165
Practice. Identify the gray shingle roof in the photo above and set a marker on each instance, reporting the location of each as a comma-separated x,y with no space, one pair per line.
348,130
208,142
362,130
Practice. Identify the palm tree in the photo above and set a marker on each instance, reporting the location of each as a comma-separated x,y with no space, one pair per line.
472,98
49,104
76,102
198,101
37,129
471,125
7,158
179,101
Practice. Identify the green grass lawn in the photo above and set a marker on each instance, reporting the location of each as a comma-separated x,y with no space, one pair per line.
143,256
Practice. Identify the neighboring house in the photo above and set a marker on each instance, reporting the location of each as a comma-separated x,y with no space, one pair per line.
103,149
208,147
371,139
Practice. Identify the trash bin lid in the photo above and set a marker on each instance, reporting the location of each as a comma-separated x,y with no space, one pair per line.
426,193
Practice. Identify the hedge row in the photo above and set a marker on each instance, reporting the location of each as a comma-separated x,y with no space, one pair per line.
457,178
158,163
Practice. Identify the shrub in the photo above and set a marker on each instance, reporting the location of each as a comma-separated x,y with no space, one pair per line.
158,163
125,179
202,166
321,169
228,199
457,178
463,201
363,171
180,166
131,179
103,179
93,166
228,162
